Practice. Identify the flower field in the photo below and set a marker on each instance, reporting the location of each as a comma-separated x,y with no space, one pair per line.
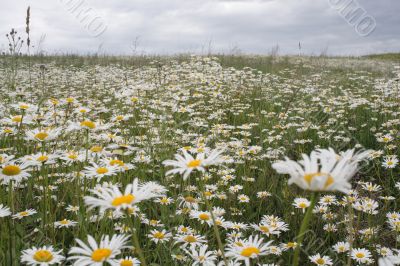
199,161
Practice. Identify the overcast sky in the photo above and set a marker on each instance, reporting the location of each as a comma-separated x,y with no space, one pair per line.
197,26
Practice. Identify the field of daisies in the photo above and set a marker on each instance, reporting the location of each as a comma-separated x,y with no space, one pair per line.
197,162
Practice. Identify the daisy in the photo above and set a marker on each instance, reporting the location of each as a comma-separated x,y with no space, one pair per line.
72,156
40,159
187,163
203,217
159,236
390,161
99,171
113,198
190,239
65,223
13,171
95,254
41,256
361,255
319,260
119,164
323,170
251,248
301,203
202,256
128,261
23,214
4,211
42,135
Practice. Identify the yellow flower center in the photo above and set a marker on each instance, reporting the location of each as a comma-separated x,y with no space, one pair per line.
65,221
194,163
158,235
250,251
101,254
70,100
72,156
96,149
41,136
204,216
11,170
24,213
190,239
126,199
302,205
43,256
264,228
116,162
320,261
23,106
7,130
126,263
360,255
119,117
17,119
207,194
101,170
309,178
291,244
88,124
42,158
190,199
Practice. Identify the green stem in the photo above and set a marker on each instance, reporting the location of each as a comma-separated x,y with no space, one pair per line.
303,228
135,239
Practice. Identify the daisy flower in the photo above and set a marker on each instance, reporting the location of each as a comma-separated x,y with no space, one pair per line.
321,260
113,198
95,254
202,256
65,223
190,239
323,170
301,203
41,256
13,171
23,214
251,248
99,171
128,261
42,135
390,161
361,255
185,164
159,236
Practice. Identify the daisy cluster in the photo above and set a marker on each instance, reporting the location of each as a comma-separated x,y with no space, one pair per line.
194,162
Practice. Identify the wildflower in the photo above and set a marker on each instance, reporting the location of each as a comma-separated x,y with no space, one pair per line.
23,214
41,256
323,170
202,256
187,163
159,236
361,255
251,248
321,260
113,198
97,254
301,203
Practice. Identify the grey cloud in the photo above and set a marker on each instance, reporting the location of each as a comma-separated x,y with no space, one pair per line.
177,26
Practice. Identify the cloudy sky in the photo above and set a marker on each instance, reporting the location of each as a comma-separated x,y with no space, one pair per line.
197,26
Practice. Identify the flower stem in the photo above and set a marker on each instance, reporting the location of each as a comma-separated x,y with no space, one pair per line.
135,239
303,228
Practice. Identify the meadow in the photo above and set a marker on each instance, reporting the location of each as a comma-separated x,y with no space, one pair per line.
199,160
